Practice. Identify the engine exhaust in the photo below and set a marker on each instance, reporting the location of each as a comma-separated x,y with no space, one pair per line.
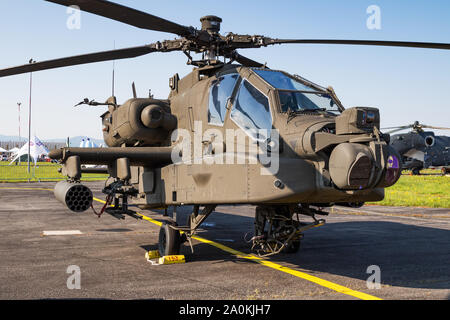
77,197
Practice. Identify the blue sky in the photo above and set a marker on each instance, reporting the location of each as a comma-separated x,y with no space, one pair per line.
405,84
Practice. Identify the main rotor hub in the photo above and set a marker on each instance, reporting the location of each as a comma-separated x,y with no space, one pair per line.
211,24
417,126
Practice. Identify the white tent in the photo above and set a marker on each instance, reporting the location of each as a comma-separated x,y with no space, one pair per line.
87,143
3,150
14,150
37,149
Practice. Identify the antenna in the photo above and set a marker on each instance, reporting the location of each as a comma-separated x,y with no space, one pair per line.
133,87
113,71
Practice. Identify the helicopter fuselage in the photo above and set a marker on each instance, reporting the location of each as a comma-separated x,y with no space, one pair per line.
322,156
422,149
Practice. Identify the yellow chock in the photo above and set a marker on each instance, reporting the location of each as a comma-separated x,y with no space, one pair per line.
152,254
172,259
154,257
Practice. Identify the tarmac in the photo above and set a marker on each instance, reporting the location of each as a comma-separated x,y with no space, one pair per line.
407,249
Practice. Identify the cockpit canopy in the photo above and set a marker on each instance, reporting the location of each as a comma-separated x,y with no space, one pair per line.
251,110
298,94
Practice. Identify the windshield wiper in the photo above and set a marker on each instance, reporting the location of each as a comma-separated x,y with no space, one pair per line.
312,109
293,113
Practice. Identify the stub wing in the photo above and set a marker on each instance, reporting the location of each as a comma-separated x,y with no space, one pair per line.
137,156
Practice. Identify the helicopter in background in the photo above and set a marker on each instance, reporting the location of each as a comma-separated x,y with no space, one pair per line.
420,149
325,153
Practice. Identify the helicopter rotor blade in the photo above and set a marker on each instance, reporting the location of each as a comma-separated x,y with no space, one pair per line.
432,127
244,60
416,125
127,15
398,127
408,44
396,130
81,59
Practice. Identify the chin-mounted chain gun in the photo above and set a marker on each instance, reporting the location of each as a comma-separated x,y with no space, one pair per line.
119,191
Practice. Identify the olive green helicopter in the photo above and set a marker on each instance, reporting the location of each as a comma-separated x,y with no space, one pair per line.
232,131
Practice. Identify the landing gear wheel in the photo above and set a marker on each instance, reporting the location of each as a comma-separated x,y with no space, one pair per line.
169,241
293,247
415,171
355,204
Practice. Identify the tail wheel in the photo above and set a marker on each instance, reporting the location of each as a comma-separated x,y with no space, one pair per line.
415,171
169,241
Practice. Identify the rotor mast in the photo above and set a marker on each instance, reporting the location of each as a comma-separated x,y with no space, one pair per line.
211,24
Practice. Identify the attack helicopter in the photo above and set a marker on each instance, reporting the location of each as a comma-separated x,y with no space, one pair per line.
421,149
291,148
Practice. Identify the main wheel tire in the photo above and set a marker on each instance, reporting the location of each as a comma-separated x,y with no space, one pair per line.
355,204
293,247
169,241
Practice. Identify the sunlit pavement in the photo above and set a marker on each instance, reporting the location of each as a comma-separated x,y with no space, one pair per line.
411,247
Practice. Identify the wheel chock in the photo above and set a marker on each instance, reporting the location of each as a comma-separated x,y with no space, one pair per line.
152,254
154,257
172,259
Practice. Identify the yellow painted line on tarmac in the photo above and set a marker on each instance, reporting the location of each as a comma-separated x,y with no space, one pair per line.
324,283
99,200
24,188
296,273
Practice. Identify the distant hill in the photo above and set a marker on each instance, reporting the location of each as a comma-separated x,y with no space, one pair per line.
11,138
